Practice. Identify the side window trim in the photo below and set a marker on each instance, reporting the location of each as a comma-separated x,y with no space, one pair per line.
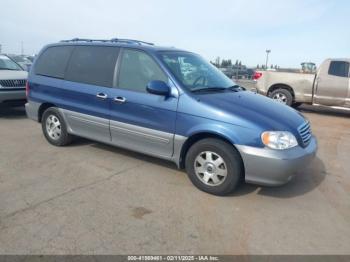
55,77
118,66
69,60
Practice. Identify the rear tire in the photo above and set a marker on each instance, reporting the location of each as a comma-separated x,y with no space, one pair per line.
214,166
55,128
282,96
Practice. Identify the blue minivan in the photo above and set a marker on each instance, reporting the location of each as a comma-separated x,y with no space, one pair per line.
167,103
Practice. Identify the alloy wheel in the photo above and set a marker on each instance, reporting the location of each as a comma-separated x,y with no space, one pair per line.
53,127
210,168
281,98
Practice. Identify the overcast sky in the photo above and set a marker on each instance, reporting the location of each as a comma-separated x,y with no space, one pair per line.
295,31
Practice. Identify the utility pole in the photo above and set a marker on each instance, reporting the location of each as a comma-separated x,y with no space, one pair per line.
22,49
267,57
0,48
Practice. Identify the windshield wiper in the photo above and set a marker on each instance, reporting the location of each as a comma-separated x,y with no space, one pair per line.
5,68
209,89
236,88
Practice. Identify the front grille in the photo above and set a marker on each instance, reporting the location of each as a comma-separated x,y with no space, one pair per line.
305,133
13,83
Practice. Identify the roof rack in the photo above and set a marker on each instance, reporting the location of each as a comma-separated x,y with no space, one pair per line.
130,41
114,40
84,40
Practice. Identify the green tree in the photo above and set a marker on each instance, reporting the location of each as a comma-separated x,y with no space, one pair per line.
217,61
223,63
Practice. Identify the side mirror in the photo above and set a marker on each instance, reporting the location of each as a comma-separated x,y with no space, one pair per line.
158,87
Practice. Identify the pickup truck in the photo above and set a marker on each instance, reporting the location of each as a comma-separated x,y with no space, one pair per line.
330,86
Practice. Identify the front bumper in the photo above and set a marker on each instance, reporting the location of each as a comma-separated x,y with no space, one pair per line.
275,167
258,91
12,95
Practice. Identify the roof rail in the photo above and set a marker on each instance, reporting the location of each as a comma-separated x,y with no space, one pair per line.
84,40
114,40
130,41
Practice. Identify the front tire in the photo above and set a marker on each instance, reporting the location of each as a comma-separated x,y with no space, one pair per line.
55,128
214,166
282,96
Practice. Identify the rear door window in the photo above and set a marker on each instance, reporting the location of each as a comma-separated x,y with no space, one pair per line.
339,68
93,65
137,69
53,61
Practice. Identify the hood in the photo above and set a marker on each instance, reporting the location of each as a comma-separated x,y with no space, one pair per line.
12,75
249,110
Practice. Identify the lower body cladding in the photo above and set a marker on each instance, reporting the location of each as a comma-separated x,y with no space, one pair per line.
132,137
275,167
15,97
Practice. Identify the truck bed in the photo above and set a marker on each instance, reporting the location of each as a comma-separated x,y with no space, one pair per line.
301,83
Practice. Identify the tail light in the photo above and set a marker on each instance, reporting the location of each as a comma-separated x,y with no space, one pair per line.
27,89
257,75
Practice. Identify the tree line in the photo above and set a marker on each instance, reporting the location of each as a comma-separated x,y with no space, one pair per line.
222,63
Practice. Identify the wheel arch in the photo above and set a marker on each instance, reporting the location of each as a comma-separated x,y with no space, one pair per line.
200,136
42,109
281,86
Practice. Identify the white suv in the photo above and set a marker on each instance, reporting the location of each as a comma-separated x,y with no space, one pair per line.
12,82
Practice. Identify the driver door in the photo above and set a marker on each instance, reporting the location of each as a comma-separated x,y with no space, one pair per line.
332,83
139,120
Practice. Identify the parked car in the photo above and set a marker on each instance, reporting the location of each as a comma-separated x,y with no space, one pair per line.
134,95
329,86
23,61
236,72
30,58
12,82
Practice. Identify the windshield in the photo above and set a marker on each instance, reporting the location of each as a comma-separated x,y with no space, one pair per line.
194,72
7,64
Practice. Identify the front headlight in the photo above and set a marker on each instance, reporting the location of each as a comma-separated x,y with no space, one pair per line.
279,139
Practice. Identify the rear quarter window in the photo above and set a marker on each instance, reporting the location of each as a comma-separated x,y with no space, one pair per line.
92,65
53,61
339,68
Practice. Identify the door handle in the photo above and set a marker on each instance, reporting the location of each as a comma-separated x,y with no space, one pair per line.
120,99
101,95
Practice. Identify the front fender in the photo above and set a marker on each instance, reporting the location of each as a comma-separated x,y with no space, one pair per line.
188,126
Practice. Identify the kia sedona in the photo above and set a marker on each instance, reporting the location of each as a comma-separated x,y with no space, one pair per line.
167,103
